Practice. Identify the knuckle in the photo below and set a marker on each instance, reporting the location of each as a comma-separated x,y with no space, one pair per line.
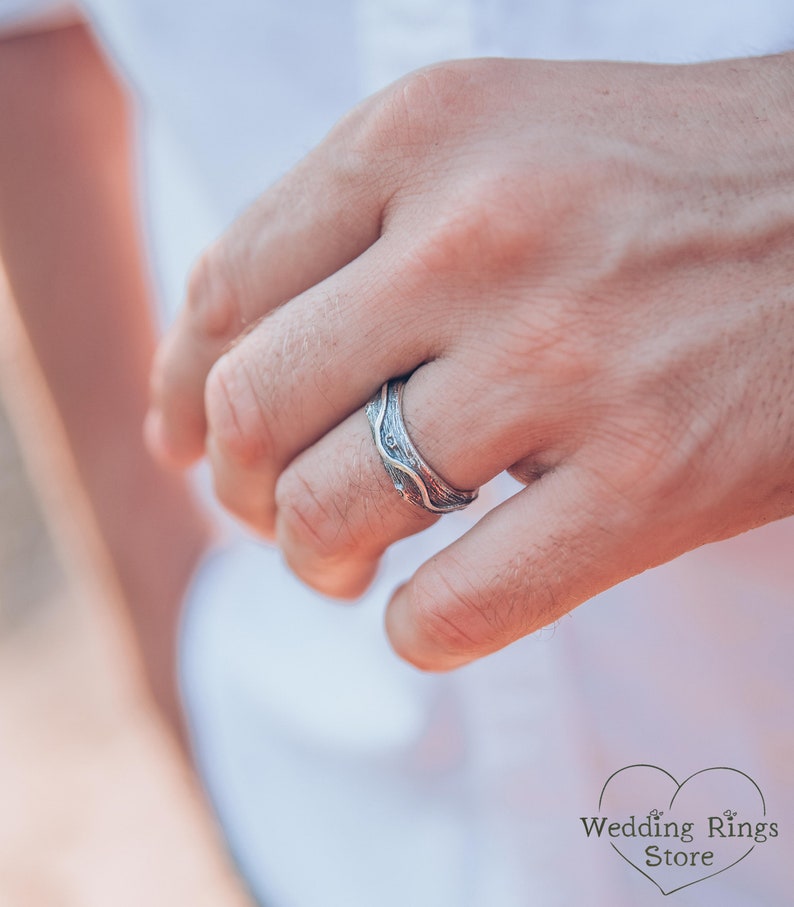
483,229
235,414
411,115
416,101
491,232
213,304
439,96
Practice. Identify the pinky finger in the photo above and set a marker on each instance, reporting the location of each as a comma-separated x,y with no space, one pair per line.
525,564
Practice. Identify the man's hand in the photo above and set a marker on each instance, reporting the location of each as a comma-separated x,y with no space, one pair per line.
588,271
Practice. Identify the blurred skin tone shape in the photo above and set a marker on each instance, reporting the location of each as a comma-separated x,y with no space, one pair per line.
71,249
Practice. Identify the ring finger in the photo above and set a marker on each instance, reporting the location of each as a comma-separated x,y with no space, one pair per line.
337,506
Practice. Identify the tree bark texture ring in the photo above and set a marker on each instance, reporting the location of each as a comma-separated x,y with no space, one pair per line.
413,478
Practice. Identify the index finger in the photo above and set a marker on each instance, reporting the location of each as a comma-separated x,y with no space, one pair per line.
314,221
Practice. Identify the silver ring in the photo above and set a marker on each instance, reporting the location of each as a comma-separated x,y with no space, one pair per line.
413,478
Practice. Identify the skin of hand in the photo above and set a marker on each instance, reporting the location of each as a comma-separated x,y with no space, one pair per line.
69,239
587,269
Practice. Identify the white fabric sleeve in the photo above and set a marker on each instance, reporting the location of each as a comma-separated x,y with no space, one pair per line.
18,16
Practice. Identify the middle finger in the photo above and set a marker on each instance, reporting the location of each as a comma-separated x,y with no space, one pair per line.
303,370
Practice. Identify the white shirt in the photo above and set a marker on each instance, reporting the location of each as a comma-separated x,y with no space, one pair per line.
342,776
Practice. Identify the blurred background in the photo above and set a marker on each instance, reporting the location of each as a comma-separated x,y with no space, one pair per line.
96,807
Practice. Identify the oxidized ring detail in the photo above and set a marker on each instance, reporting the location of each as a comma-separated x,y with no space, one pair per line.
413,478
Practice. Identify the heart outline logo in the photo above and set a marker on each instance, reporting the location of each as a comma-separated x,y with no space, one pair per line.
679,787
